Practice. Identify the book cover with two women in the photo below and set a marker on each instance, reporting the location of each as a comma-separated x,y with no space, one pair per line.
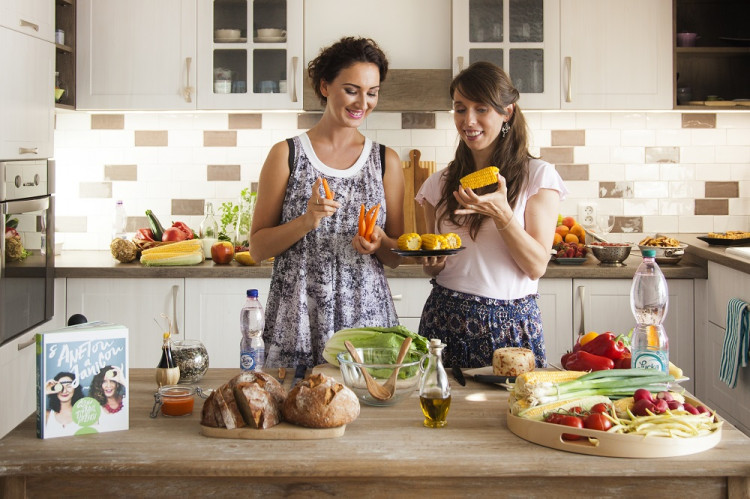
82,380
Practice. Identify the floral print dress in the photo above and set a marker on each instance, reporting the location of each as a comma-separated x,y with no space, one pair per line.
321,284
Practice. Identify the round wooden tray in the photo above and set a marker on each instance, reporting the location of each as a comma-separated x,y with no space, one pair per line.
609,444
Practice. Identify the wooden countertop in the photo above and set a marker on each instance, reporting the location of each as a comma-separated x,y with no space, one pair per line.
385,452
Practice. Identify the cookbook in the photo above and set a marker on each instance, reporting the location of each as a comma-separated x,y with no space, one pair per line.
82,380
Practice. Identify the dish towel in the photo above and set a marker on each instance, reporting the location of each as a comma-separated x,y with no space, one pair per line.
736,341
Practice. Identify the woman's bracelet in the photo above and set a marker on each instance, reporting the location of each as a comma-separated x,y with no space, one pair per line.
508,224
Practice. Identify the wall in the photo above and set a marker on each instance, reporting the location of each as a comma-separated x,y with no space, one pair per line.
664,172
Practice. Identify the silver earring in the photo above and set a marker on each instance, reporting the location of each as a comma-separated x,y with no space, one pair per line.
505,129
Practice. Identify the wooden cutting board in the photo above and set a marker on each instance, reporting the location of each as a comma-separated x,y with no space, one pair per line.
409,221
282,431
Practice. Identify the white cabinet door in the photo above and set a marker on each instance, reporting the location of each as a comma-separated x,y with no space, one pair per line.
137,304
27,97
616,54
250,71
555,299
409,296
31,17
138,54
212,315
521,37
606,307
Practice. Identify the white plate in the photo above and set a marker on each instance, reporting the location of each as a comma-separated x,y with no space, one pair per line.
231,40
269,39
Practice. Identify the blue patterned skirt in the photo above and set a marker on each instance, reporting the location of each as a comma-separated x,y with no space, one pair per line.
473,327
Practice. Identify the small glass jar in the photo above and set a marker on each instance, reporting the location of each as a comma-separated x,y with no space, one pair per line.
191,357
176,400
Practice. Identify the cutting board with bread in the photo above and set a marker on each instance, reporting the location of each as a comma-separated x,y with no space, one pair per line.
254,405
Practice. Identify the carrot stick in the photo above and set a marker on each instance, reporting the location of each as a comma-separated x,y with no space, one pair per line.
362,225
371,221
329,193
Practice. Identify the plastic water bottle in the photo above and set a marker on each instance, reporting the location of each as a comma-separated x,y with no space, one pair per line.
649,300
252,319
120,222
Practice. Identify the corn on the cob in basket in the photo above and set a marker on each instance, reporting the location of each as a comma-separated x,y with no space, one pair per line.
480,178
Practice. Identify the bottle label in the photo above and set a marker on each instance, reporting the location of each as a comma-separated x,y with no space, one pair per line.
651,359
251,360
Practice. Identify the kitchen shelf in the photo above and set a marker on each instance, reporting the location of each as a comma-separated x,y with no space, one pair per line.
65,54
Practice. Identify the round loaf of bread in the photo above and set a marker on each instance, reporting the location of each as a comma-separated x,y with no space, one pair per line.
512,361
320,401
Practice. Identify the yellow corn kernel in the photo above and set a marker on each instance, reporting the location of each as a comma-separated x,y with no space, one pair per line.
409,241
526,382
434,242
480,178
454,241
187,245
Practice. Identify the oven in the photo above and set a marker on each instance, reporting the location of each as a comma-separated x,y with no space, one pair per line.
27,250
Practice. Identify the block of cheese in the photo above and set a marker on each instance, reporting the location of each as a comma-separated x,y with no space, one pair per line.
512,361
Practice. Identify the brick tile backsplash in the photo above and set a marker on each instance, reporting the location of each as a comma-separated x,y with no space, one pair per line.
655,171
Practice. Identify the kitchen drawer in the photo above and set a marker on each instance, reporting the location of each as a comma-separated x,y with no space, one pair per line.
409,295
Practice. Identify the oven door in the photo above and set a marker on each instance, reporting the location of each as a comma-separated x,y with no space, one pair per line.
27,264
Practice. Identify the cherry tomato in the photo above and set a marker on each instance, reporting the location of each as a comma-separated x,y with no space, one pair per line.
597,421
553,417
576,410
600,408
572,421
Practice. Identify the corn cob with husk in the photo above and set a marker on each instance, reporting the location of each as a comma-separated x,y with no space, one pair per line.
523,409
434,242
480,178
454,241
526,383
188,252
411,241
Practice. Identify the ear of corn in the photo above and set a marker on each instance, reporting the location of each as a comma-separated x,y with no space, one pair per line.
411,241
454,241
526,382
538,412
480,178
178,247
434,242
188,252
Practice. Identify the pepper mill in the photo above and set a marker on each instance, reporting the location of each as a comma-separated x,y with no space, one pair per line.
167,372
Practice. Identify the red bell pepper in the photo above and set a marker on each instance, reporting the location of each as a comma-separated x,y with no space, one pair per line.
173,234
565,357
606,345
584,361
624,363
184,228
145,234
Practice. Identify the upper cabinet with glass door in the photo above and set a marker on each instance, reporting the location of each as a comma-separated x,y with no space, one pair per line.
250,54
520,36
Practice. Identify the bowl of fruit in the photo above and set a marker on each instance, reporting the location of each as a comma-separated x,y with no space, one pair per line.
611,254
569,253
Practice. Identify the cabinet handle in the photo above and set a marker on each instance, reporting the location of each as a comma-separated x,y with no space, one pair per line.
397,297
569,68
295,61
26,344
460,60
582,324
28,150
188,89
175,290
27,24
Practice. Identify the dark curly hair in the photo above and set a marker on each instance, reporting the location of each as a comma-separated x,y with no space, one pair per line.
487,83
96,390
342,54
53,403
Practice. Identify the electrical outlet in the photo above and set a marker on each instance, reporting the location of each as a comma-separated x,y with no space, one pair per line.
587,214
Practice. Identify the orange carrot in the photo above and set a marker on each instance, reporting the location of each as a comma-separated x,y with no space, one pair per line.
371,221
329,193
362,225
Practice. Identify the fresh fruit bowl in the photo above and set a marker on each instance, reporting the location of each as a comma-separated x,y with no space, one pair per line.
378,363
611,254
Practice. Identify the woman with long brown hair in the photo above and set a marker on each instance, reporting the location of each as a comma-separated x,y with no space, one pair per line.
484,297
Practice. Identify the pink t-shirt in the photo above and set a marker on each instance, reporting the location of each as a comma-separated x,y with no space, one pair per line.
485,267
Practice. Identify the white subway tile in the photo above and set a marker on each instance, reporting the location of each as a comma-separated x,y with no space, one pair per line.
627,154
673,137
697,154
642,207
654,190
642,172
212,121
395,138
176,121
659,121
591,154
686,190
629,120
588,121
740,172
712,172
603,137
433,138
661,224
733,120
678,207
72,121
738,137
533,119
559,121
708,137
142,121
638,138
606,172
696,223
279,121
444,121
733,154
540,138
185,138
670,171
383,121
731,222
739,206
254,138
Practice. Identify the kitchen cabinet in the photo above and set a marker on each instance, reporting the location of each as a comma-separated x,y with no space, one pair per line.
521,36
31,17
616,54
719,63
555,299
137,304
18,368
135,55
65,53
250,54
409,296
212,315
26,96
732,403
604,305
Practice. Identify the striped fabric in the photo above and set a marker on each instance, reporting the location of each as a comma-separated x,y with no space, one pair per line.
736,341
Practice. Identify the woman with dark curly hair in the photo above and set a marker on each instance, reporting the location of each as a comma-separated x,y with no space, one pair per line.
108,388
326,276
62,393
484,297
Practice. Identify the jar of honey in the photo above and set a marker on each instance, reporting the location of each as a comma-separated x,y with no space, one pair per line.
176,400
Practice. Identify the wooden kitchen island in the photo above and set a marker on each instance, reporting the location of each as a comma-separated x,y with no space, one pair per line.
386,452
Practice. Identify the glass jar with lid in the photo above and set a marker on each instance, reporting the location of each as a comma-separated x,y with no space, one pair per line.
191,357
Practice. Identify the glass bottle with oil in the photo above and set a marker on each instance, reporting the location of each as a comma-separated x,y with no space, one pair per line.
434,390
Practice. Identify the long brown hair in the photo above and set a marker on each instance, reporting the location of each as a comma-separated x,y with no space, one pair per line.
486,83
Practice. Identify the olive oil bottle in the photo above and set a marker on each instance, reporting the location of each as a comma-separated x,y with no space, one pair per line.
434,389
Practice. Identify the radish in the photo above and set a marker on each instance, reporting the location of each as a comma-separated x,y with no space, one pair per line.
674,405
641,407
661,406
643,394
664,396
690,408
